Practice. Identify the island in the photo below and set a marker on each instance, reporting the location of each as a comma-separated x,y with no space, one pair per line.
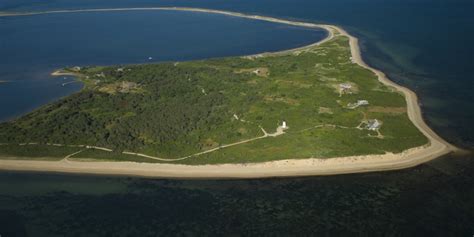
314,110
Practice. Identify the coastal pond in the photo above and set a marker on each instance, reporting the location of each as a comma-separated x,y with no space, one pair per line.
34,46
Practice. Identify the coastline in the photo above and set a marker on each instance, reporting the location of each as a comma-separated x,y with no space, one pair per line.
61,73
294,167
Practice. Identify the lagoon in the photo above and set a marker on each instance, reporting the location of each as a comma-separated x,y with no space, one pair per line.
37,45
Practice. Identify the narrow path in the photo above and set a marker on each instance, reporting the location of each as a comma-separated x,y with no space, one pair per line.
280,131
323,125
75,153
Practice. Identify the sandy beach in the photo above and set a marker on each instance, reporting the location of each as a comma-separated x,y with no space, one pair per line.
60,73
294,167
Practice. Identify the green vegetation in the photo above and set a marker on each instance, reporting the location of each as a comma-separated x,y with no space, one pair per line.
175,110
36,151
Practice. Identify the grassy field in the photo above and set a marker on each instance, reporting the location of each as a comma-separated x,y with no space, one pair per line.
176,110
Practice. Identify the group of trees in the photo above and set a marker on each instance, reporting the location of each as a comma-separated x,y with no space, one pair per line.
179,109
171,111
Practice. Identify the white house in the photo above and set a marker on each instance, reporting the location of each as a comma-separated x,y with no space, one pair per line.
284,125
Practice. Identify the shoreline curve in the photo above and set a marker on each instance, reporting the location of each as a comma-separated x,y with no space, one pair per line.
436,147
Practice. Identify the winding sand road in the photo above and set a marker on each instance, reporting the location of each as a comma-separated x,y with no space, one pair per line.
294,167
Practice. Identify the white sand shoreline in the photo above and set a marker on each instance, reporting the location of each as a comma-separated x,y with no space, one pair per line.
293,167
60,73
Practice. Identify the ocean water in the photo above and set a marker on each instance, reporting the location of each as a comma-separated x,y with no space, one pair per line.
34,46
431,200
424,44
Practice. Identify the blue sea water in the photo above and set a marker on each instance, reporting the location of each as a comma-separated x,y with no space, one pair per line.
34,46
423,44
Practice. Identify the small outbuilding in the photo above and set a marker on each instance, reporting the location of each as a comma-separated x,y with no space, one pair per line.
345,86
373,124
